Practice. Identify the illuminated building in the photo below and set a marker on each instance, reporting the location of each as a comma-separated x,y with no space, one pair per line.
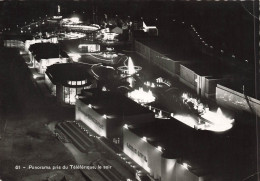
28,43
169,150
151,30
74,23
160,152
201,74
42,64
39,51
106,112
89,47
67,80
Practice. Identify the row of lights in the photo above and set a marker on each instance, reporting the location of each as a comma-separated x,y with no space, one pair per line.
154,109
104,116
206,44
159,148
6,29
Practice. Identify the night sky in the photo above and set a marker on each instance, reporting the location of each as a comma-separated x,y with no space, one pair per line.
225,25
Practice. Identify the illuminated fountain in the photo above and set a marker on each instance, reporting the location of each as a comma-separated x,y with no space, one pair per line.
208,120
74,56
193,103
142,97
216,121
131,81
159,82
129,69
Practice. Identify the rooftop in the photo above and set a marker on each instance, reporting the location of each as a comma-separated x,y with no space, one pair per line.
114,103
61,73
46,50
206,152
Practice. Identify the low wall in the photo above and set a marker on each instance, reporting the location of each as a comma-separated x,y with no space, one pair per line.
188,77
233,99
162,61
142,50
170,66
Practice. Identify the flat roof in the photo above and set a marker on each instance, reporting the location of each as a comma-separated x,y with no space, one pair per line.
46,50
61,73
113,103
206,152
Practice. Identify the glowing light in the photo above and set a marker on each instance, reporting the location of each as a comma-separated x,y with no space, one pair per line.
74,20
144,139
159,148
218,121
90,106
159,115
125,126
189,121
105,116
141,96
185,165
109,36
130,80
35,76
75,57
184,96
130,69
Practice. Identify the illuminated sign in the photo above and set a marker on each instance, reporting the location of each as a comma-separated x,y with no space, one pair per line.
141,155
57,17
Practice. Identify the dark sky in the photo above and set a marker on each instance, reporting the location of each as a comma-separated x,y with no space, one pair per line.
226,25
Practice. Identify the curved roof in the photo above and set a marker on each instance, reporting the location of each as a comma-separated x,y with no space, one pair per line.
62,73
